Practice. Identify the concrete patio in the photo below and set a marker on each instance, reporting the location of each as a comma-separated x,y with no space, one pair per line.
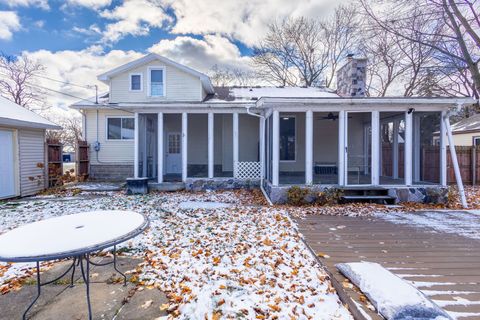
109,298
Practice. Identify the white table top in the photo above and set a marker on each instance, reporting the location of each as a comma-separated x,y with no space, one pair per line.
70,234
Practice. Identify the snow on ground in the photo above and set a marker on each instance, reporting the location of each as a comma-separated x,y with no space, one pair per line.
463,223
236,262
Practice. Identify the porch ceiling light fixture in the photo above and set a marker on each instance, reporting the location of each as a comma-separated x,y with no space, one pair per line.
285,118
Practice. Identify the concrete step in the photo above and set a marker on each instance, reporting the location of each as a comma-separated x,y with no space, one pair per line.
382,199
167,186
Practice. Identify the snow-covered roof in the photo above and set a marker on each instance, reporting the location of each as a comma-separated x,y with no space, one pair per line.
255,93
468,124
12,114
206,83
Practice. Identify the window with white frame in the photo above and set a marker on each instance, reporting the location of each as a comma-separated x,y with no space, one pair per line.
287,139
476,141
157,82
136,82
120,128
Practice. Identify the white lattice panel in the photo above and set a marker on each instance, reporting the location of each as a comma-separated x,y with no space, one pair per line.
247,170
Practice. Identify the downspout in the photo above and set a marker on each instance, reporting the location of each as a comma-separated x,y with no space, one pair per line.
262,163
453,153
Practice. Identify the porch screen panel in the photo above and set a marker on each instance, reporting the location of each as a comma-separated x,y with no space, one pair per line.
359,148
426,148
392,148
223,145
325,148
292,148
269,148
197,144
248,138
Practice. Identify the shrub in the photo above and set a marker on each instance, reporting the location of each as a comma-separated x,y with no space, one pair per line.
329,196
296,195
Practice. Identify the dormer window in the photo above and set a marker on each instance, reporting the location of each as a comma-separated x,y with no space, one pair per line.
157,82
136,82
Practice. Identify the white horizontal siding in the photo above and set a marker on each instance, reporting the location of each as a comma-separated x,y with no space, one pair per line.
180,86
32,153
111,152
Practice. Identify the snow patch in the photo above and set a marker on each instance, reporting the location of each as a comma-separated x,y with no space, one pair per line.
393,297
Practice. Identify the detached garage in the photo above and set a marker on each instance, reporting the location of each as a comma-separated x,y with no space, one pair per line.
22,150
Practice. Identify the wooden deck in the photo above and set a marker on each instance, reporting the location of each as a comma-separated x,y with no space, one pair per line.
445,267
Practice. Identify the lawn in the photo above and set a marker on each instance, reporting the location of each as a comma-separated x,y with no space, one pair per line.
240,260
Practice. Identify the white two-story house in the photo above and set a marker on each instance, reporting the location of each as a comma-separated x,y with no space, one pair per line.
166,121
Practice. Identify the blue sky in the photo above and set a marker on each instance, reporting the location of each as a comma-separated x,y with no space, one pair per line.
78,39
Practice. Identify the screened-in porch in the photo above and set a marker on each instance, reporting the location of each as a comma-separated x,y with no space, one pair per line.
354,148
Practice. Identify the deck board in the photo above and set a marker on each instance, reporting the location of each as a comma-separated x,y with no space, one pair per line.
445,266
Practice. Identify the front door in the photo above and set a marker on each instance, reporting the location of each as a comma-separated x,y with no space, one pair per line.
358,138
173,161
7,165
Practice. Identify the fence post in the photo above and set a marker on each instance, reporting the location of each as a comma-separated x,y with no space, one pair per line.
474,165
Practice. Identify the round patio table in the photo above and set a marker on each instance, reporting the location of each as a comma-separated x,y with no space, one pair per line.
73,236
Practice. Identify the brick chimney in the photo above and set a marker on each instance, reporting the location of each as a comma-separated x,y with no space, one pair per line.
351,77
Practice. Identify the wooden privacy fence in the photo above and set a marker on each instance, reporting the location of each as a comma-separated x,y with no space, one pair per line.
82,160
468,161
55,163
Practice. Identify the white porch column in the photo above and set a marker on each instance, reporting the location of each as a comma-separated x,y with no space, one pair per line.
408,148
262,147
341,148
160,147
416,149
275,148
136,147
235,143
375,148
443,151
396,125
453,154
309,147
210,145
184,145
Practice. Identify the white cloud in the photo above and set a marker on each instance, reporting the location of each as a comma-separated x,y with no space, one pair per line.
77,67
90,31
133,17
9,23
202,54
27,3
243,20
39,24
92,4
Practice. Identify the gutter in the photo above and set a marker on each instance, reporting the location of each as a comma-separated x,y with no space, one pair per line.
261,156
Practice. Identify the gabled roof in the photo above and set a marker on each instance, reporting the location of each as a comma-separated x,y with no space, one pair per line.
207,84
11,114
467,125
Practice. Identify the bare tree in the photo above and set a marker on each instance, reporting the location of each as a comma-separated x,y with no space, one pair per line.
341,34
18,83
70,133
293,52
385,65
223,76
449,27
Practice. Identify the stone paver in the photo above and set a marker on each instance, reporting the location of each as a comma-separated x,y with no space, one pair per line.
109,298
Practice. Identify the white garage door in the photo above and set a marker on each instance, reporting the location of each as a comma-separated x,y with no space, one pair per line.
7,165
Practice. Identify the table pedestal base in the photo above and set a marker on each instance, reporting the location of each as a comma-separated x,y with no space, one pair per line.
77,261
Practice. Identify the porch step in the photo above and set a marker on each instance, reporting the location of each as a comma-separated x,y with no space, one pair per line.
167,186
369,195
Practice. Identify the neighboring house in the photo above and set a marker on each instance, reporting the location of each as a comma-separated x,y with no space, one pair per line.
165,121
22,150
466,132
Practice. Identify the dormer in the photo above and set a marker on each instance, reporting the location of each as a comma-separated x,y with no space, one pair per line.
154,78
